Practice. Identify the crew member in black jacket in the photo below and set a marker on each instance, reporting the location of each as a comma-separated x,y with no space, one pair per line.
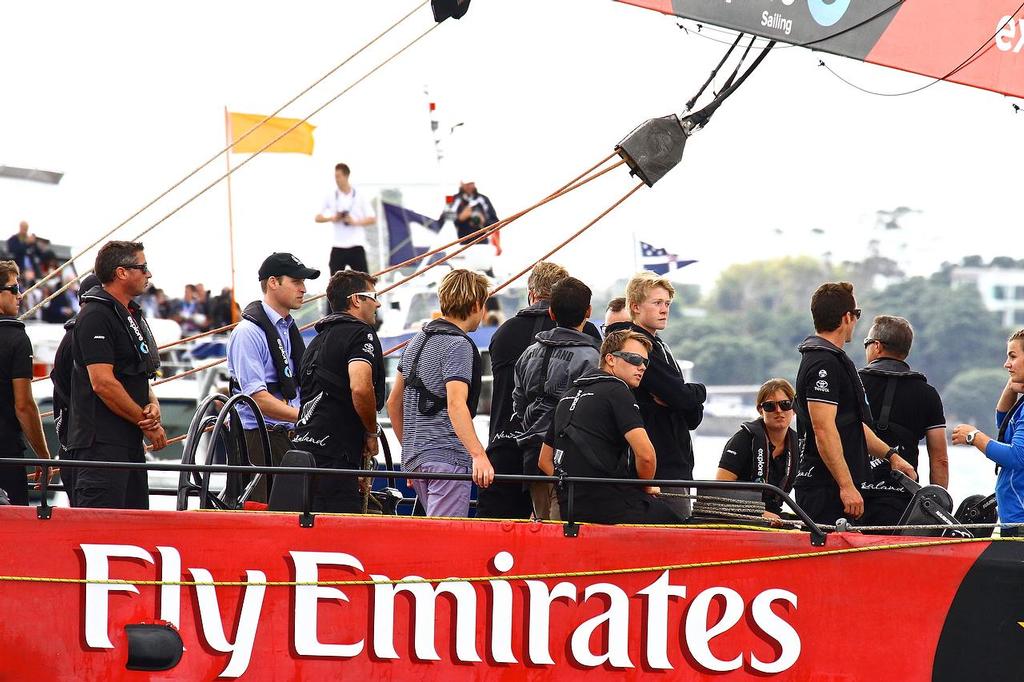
512,501
906,409
60,375
342,389
671,407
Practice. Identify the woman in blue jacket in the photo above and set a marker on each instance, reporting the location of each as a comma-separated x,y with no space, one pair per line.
1007,448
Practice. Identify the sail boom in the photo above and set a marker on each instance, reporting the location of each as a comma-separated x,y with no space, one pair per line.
925,37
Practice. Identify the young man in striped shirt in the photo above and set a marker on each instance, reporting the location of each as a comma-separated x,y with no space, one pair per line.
435,397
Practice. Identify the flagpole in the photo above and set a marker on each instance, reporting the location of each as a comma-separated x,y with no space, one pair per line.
231,220
636,246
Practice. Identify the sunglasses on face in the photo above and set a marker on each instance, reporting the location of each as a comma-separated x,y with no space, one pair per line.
856,313
772,405
142,267
13,288
372,295
869,341
634,359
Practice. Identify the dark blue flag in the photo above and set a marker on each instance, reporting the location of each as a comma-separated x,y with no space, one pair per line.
660,261
409,233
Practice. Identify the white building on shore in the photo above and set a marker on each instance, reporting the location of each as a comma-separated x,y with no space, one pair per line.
1001,289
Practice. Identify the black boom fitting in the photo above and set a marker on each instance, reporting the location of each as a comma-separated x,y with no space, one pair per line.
443,9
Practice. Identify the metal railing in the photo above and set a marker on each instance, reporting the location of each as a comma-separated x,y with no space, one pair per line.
309,475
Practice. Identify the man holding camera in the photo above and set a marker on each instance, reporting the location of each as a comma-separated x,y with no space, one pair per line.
351,213
473,211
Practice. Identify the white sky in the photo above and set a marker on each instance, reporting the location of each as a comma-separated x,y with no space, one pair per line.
125,98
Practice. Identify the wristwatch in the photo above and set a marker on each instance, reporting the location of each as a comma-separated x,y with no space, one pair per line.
894,450
969,438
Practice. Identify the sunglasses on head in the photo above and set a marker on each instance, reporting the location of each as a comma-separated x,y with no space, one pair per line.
772,405
13,288
634,359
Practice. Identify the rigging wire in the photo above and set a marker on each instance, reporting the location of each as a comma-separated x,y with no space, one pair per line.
700,118
976,55
216,156
547,255
743,57
577,182
500,287
714,72
233,170
482,233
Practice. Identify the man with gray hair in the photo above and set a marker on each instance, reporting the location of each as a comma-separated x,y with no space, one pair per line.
509,342
905,408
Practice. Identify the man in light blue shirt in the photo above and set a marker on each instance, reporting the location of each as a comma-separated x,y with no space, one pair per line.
264,355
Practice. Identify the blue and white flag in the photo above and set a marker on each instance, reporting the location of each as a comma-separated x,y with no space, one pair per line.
660,261
409,233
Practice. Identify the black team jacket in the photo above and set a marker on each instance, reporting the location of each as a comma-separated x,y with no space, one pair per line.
510,341
669,425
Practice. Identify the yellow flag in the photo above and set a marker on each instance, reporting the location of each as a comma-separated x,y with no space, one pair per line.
299,141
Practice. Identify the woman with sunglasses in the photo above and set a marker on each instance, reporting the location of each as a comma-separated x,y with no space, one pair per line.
764,450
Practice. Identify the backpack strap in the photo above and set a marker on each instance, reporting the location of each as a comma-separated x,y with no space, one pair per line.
890,393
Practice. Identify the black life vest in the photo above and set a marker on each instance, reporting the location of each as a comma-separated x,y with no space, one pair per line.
893,370
568,438
816,344
430,403
327,380
286,384
146,352
761,453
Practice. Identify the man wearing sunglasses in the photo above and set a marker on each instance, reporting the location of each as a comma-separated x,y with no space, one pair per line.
112,404
597,431
264,356
342,388
19,416
906,409
833,416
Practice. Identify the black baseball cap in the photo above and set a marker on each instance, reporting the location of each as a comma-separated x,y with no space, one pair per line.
285,264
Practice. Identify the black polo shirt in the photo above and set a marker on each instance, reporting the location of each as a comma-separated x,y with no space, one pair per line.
328,420
15,363
99,337
828,377
916,407
602,415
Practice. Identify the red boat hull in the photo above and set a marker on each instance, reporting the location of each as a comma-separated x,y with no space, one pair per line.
859,608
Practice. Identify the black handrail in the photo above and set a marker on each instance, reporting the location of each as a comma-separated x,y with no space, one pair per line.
310,474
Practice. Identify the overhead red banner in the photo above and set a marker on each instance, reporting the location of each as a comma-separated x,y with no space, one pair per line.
255,596
973,42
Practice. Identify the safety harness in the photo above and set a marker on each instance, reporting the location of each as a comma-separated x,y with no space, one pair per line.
285,385
430,403
138,330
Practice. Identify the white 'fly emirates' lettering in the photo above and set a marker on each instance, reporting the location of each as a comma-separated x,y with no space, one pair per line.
540,595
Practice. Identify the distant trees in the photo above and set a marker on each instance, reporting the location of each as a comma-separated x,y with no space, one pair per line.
759,312
971,398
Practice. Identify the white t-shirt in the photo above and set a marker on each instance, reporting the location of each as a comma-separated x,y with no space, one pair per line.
358,207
